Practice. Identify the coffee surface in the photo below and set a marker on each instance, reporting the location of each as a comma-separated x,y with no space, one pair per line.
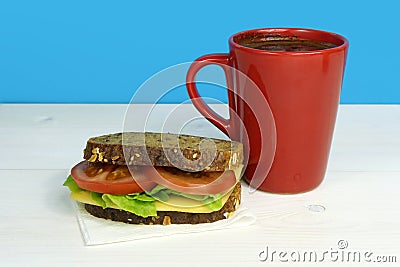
284,44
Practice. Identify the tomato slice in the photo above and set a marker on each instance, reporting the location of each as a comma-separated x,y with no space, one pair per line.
108,179
198,183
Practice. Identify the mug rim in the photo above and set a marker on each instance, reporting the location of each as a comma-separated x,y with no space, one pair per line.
344,45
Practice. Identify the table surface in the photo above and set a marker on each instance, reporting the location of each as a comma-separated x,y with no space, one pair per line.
356,205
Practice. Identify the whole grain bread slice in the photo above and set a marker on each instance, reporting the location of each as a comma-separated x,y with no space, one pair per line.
189,153
170,217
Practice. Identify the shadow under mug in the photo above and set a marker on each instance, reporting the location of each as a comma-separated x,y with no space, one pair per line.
302,90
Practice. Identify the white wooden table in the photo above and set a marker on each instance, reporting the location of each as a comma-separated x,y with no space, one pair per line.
360,195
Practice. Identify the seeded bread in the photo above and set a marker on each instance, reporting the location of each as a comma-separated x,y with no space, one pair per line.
134,148
170,217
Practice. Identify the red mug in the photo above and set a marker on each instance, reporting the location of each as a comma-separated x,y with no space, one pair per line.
302,90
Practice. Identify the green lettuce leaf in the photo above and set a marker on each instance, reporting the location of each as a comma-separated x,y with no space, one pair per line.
140,197
161,196
138,207
213,202
156,189
72,185
214,205
160,193
97,197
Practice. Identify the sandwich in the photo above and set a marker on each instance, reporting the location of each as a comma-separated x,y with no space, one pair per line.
158,178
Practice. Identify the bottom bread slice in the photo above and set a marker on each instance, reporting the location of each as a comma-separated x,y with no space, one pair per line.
170,217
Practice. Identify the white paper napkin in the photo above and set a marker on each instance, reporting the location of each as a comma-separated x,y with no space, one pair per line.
96,231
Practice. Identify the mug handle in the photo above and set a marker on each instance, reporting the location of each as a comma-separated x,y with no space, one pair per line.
223,61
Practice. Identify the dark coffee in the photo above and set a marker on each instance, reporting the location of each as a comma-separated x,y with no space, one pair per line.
282,43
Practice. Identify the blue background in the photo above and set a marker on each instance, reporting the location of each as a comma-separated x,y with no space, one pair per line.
102,51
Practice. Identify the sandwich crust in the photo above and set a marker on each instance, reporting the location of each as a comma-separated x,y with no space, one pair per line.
170,217
164,150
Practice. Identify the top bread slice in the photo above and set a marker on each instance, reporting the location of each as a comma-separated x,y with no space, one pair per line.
186,152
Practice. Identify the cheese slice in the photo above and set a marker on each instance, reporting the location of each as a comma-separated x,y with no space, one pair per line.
175,203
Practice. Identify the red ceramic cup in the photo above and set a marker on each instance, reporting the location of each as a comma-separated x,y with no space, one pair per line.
302,90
